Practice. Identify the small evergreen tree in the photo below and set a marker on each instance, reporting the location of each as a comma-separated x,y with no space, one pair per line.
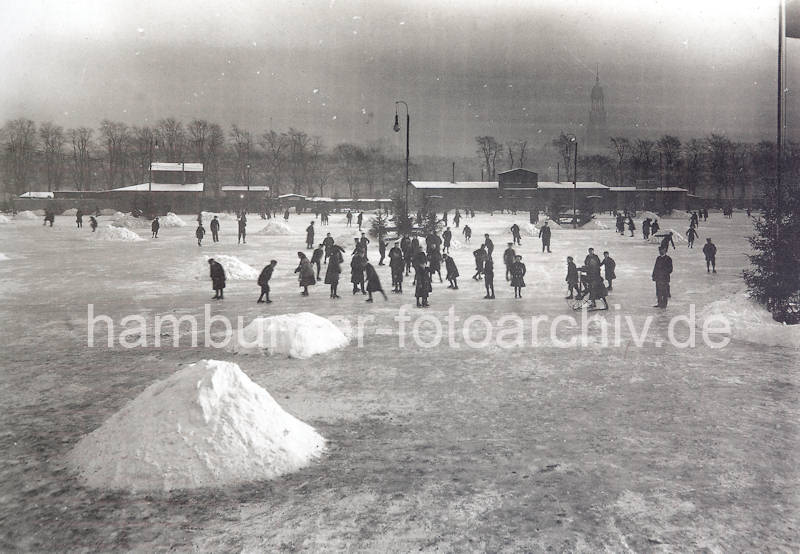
774,280
430,224
379,225
402,221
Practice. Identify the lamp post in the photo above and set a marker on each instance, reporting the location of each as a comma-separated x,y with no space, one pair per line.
573,139
153,141
408,135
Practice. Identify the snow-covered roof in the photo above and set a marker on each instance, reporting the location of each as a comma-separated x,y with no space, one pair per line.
622,189
568,185
458,185
176,166
160,187
33,194
253,188
291,195
656,189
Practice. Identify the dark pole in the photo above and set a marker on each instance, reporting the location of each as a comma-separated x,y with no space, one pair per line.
779,147
575,186
150,168
408,138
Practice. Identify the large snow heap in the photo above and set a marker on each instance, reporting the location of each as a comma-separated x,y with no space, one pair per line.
206,425
109,232
275,227
299,335
750,322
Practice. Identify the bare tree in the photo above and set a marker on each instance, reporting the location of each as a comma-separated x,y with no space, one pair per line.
488,150
215,143
172,139
621,146
115,137
643,158
81,157
319,167
670,149
275,146
693,155
19,136
299,144
350,162
516,150
242,147
563,146
142,150
720,150
52,137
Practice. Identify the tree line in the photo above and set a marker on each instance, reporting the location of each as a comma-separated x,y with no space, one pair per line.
49,157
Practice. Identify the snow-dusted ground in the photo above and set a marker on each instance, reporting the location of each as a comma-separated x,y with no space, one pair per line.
442,447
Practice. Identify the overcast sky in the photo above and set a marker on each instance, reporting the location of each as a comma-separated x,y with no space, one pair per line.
510,68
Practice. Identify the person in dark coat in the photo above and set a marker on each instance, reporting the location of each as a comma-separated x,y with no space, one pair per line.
382,249
79,218
654,227
710,252
516,238
93,223
480,258
396,265
452,271
200,232
242,230
691,234
646,228
286,215
518,270
467,233
572,278
597,291
489,245
360,219
405,247
661,272
316,258
334,269
217,278
263,282
364,242
373,282
435,262
509,255
544,234
310,236
609,265
357,265
155,226
214,226
306,271
423,288
328,243
488,281
666,240
631,225
457,218
349,218
447,236
620,224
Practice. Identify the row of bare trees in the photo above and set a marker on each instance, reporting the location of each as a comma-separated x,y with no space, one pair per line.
115,154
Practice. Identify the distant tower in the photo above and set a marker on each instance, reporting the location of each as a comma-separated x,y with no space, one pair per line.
597,131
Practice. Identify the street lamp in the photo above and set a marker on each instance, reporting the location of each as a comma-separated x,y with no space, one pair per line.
396,128
573,139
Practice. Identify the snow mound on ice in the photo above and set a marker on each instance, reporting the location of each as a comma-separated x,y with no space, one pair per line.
456,244
275,227
296,335
127,220
750,322
206,425
208,216
235,269
70,211
677,238
39,213
4,219
26,215
109,232
596,224
530,230
171,220
651,215
3,257
109,212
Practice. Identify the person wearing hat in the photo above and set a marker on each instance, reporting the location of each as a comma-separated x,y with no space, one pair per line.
155,226
396,265
489,244
242,229
310,236
328,242
452,271
515,236
710,252
214,226
263,282
200,232
306,271
488,278
316,258
544,234
509,255
217,278
661,272
518,270
447,236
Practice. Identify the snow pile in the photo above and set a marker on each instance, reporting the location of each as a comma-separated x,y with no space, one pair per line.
235,269
275,227
208,216
3,257
127,220
596,224
171,220
296,335
750,322
530,230
71,211
206,425
4,219
456,244
109,232
26,215
677,238
109,212
650,215
39,213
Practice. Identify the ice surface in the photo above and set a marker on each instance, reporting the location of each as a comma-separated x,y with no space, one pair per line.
3,257
299,335
26,215
206,425
4,219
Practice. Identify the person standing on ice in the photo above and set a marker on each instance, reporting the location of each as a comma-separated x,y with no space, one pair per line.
447,236
242,229
451,271
646,228
423,285
654,227
457,218
316,258
79,218
155,226
661,272
200,232
610,265
310,236
263,282
631,225
327,242
572,278
467,233
396,265
349,217
518,271
306,277
691,234
489,244
435,262
509,255
488,278
373,282
357,265
360,219
93,223
214,225
382,249
217,278
364,242
286,215
544,234
516,238
480,259
710,252
334,269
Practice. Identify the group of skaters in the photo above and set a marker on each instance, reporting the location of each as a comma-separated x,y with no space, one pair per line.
200,231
